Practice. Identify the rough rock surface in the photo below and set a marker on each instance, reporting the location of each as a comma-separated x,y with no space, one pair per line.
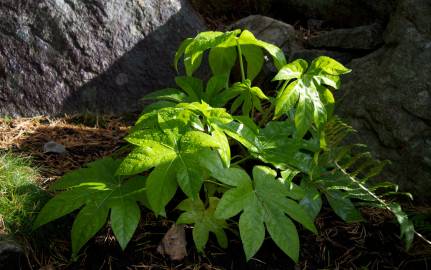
276,32
340,13
100,55
11,255
388,97
365,37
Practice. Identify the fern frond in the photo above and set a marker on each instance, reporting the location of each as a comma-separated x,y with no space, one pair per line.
350,167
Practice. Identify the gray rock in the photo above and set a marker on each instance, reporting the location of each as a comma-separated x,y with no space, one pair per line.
387,97
102,55
53,147
340,13
11,255
311,54
270,30
366,37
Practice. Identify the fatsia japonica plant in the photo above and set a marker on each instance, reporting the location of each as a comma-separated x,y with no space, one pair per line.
240,157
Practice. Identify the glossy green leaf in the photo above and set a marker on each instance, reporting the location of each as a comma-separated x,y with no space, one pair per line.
180,51
192,63
251,227
158,105
254,59
343,207
202,42
265,203
97,188
328,100
222,60
283,232
169,94
87,223
328,65
204,221
173,149
192,86
306,91
293,70
224,147
146,157
161,186
406,226
303,115
247,38
278,146
215,84
242,133
286,99
125,216
247,97
312,200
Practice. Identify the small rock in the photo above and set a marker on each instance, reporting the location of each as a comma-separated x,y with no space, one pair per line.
174,243
11,255
270,30
53,147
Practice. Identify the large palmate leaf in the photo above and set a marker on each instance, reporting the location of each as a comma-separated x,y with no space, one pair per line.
279,147
223,53
203,220
222,59
275,144
244,95
172,149
96,189
247,38
194,48
305,90
254,59
264,203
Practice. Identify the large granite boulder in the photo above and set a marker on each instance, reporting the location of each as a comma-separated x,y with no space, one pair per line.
101,55
387,97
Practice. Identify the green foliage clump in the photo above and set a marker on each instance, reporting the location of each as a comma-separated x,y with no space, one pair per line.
237,156
20,196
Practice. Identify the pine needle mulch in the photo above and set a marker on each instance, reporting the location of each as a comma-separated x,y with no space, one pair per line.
373,244
97,138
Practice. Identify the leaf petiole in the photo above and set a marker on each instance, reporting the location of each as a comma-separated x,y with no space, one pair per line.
241,64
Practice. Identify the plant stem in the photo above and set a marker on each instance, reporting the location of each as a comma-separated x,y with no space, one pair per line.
267,112
241,64
242,160
266,115
216,183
